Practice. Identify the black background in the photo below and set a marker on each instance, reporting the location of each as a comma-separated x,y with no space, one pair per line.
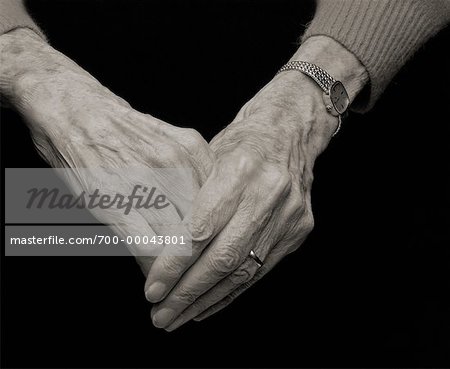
370,285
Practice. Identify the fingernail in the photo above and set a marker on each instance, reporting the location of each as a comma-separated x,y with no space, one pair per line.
163,317
155,292
170,328
175,325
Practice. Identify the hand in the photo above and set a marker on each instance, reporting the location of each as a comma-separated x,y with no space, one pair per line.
258,197
76,122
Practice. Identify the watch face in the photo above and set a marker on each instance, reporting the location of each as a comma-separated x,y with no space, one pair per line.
339,97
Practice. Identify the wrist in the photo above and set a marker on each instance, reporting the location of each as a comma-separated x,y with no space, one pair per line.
294,102
31,69
334,58
19,50
288,109
299,99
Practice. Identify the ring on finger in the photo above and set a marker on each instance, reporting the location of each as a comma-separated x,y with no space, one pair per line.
257,260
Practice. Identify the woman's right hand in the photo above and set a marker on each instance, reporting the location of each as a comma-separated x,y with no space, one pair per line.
75,122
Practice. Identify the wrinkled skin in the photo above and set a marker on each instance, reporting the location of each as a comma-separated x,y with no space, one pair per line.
254,181
258,197
75,122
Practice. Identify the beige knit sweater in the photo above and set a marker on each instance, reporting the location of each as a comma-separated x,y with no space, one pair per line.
382,34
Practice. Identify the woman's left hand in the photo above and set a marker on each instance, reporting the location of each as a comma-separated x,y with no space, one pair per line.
258,197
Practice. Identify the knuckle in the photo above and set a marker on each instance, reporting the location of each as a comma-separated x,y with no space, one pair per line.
296,244
225,260
185,296
171,153
194,143
201,229
192,137
308,222
283,184
229,299
165,154
278,181
240,276
200,305
297,206
171,266
242,161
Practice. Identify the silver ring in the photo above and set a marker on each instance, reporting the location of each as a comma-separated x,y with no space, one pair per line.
257,259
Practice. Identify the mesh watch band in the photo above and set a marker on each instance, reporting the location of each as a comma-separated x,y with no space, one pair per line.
323,79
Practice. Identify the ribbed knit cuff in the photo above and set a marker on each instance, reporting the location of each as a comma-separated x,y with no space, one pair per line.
14,15
382,34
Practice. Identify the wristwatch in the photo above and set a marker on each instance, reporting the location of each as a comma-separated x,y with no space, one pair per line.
335,95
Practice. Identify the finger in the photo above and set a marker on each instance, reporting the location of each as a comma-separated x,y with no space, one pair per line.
272,259
275,256
225,287
244,273
144,223
292,223
134,225
199,151
225,254
166,222
229,248
216,202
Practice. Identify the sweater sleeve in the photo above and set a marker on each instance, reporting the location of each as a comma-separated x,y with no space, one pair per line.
13,14
382,34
